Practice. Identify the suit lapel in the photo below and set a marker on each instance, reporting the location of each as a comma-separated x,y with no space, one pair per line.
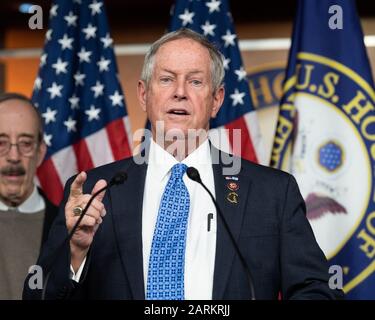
127,202
226,196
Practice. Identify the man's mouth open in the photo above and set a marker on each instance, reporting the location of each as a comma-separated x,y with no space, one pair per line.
178,112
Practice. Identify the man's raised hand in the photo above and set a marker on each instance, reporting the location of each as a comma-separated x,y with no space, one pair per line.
84,234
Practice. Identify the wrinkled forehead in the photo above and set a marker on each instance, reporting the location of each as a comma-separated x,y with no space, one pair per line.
18,117
183,52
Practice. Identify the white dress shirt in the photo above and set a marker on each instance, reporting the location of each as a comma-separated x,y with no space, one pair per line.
200,243
34,203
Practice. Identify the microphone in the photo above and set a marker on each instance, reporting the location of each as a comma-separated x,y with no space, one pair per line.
117,179
194,175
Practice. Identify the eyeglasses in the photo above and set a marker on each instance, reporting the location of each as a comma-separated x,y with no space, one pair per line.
24,147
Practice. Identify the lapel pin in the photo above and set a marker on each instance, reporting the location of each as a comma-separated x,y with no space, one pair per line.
232,197
233,186
231,178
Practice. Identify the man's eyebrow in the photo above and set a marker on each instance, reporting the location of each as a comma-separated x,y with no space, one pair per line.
27,135
22,135
189,73
195,72
168,71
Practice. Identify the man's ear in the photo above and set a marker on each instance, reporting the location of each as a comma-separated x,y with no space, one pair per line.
218,101
141,92
41,153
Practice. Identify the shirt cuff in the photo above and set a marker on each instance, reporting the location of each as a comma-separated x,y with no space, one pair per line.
76,276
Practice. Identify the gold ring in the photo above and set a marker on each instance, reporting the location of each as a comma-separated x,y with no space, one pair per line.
77,211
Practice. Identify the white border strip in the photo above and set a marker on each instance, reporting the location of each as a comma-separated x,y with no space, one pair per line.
141,49
265,44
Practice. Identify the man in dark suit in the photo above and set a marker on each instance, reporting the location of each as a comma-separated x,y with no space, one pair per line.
26,215
160,238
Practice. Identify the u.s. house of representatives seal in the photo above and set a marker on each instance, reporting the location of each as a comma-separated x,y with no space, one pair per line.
326,139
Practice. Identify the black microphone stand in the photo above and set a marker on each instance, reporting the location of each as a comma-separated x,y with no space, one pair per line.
193,174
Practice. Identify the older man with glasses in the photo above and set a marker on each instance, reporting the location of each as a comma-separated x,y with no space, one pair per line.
25,213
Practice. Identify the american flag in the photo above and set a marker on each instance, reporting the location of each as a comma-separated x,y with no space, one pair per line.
78,94
213,19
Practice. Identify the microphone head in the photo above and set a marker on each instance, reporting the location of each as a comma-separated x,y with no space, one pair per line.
119,178
193,174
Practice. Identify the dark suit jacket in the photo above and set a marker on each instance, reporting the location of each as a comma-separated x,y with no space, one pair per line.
268,223
49,216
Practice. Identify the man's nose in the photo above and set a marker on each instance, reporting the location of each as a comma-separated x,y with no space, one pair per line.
13,154
180,91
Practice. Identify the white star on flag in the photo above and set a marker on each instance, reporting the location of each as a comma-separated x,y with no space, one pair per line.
229,39
237,97
74,100
71,19
53,10
107,41
93,113
49,115
43,59
66,43
70,124
95,7
60,66
47,139
226,63
90,31
38,83
186,17
208,29
49,34
241,74
78,77
116,99
213,6
103,64
98,89
55,90
84,55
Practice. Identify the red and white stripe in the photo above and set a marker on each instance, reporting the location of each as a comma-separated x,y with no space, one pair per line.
104,146
251,146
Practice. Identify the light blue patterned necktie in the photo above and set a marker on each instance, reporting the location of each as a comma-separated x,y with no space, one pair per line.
165,280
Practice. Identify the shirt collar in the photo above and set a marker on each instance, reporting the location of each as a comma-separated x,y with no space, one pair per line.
161,161
33,203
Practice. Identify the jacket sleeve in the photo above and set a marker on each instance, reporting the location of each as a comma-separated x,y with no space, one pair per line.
54,262
304,268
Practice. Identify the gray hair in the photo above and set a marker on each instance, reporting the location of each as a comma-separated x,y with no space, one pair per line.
217,65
